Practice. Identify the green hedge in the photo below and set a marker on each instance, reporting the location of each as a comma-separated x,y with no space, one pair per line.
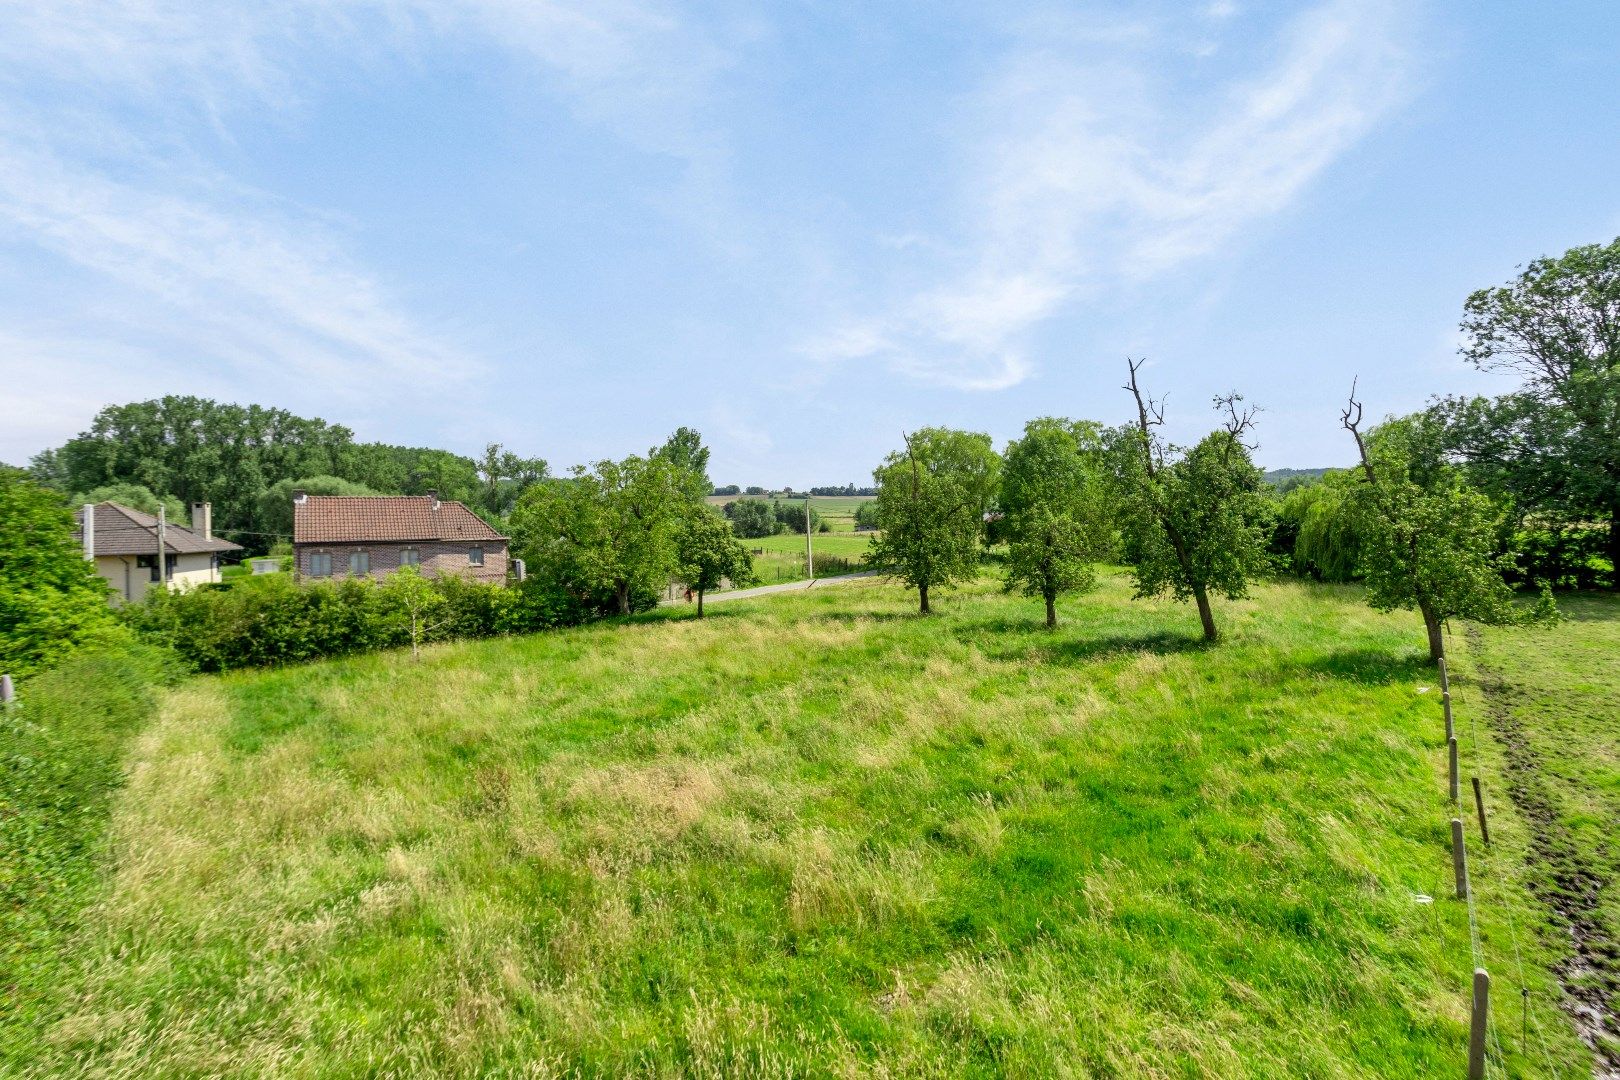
271,619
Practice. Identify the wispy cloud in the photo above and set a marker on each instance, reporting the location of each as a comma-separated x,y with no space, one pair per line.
104,109
1094,163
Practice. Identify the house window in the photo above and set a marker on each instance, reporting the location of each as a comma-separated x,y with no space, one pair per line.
150,563
359,563
475,556
410,557
320,564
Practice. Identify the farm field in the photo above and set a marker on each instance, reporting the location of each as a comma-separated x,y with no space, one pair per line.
811,834
780,558
837,510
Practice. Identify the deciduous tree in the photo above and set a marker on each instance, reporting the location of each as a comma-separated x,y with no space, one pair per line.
51,601
1053,504
607,532
931,503
1554,445
710,553
1426,536
1193,523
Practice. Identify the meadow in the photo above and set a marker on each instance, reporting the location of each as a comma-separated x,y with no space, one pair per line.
780,558
810,834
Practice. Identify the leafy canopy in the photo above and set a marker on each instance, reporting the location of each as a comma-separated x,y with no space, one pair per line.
931,502
606,534
51,600
1054,506
710,553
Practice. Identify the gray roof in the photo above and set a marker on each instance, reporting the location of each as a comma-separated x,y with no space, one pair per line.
121,530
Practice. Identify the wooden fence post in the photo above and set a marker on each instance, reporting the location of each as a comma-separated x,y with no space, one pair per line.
8,693
1445,677
1479,807
1459,858
1456,782
1477,1025
1451,725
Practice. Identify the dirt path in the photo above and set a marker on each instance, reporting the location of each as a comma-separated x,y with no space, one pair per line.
1562,877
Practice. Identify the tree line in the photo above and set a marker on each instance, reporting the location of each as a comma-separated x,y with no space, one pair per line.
1443,511
247,461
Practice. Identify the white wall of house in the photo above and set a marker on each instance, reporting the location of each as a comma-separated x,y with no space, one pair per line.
129,581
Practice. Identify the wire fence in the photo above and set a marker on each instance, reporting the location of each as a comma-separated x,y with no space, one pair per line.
1487,1055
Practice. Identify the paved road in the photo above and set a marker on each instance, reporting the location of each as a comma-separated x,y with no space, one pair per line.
766,590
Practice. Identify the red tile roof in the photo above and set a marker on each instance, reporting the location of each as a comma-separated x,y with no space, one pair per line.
331,519
121,530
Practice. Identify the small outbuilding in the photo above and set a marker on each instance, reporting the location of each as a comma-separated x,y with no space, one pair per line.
338,536
122,544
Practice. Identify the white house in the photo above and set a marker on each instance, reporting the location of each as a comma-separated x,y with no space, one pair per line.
122,544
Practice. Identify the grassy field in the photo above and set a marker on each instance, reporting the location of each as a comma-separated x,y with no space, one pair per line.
1551,705
838,511
810,834
780,558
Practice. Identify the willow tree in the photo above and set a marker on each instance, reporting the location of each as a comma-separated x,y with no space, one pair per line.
1194,522
931,505
1053,506
1426,536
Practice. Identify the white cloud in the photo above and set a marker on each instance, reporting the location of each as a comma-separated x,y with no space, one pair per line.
1094,165
100,102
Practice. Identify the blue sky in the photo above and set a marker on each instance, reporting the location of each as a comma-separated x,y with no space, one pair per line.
804,228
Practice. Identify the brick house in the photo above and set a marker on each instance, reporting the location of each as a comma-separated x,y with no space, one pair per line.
339,536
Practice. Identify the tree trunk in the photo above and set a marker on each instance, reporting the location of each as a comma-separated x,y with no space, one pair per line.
1431,623
922,596
621,592
700,603
1051,611
1205,615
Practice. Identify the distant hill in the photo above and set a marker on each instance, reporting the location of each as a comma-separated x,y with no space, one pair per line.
1279,477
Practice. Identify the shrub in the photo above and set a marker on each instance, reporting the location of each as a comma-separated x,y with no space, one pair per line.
272,620
51,601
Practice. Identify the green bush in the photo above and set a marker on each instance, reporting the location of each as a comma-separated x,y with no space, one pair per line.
271,620
52,603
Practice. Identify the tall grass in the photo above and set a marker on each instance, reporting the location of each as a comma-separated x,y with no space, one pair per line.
811,834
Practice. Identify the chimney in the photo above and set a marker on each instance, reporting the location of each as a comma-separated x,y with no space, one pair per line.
89,529
434,495
202,519
299,496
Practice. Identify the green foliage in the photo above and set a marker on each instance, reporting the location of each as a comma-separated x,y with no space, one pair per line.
931,503
607,534
1054,504
61,762
137,497
1427,537
752,518
866,514
51,600
275,509
685,453
1553,447
272,620
710,553
205,451
790,517
505,477
1192,525
1316,530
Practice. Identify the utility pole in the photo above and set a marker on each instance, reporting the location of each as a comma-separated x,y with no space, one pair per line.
809,557
163,548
